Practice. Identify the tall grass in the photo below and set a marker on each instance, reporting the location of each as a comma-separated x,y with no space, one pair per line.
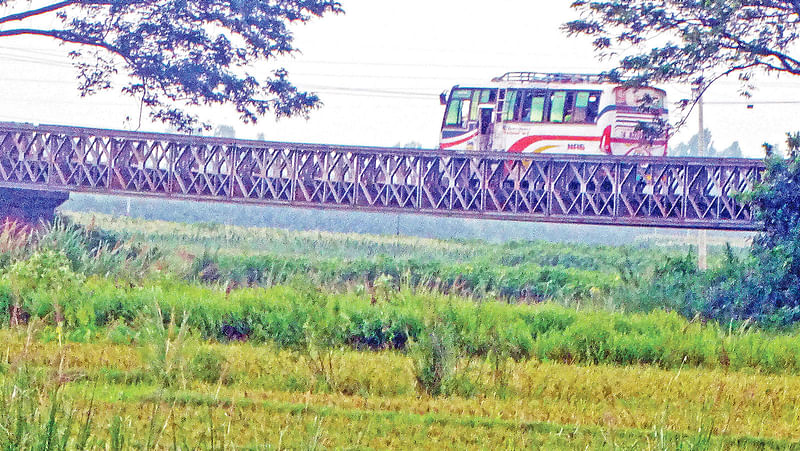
526,282
88,249
296,317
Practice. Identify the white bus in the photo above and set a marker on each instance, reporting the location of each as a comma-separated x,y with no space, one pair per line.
554,113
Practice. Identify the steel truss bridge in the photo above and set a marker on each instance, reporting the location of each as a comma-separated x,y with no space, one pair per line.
587,189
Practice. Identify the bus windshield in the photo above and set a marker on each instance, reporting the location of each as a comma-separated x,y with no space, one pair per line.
464,105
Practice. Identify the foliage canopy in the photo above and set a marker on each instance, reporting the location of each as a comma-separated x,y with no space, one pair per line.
777,247
177,53
692,41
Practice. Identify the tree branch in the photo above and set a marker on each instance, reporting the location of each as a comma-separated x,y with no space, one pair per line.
704,87
64,36
35,12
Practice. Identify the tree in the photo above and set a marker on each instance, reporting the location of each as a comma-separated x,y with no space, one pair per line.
732,151
224,131
691,149
409,145
692,41
777,247
177,53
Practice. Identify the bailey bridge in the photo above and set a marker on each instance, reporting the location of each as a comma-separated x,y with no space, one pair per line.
41,165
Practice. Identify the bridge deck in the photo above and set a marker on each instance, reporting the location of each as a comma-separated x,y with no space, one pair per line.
662,192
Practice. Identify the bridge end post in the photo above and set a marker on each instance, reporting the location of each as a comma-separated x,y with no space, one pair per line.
29,206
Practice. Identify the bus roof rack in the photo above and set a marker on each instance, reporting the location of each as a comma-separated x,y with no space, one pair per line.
551,77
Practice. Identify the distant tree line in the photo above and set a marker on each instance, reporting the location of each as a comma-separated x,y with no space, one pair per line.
692,148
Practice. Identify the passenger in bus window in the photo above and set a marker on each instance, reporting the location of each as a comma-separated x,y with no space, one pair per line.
593,108
569,107
581,105
533,106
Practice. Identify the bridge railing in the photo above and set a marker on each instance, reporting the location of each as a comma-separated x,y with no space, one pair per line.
666,191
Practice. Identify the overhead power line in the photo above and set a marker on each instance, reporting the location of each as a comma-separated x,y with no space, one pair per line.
754,102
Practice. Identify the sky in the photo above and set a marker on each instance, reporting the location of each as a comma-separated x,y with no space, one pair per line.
379,69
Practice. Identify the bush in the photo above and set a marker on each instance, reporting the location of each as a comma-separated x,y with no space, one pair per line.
434,356
45,282
766,286
209,365
91,251
121,334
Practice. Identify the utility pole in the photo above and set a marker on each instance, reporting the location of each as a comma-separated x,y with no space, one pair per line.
702,235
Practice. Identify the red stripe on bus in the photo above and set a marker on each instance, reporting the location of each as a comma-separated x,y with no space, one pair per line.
461,141
523,143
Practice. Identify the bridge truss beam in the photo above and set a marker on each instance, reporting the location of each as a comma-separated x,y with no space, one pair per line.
588,189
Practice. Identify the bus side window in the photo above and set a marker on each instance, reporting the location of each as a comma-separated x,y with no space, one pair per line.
510,105
525,112
586,107
537,107
558,100
593,107
464,116
533,106
581,107
569,107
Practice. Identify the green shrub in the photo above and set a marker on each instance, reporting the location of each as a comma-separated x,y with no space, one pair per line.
434,356
209,365
121,334
92,251
45,282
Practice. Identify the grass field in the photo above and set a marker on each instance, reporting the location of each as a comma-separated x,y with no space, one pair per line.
149,335
268,396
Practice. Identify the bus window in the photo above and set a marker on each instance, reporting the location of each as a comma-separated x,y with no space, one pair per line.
462,94
593,107
453,116
558,102
459,108
510,105
457,113
476,100
581,106
585,109
465,109
533,106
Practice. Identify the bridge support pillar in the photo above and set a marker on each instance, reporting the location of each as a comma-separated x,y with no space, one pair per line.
29,206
